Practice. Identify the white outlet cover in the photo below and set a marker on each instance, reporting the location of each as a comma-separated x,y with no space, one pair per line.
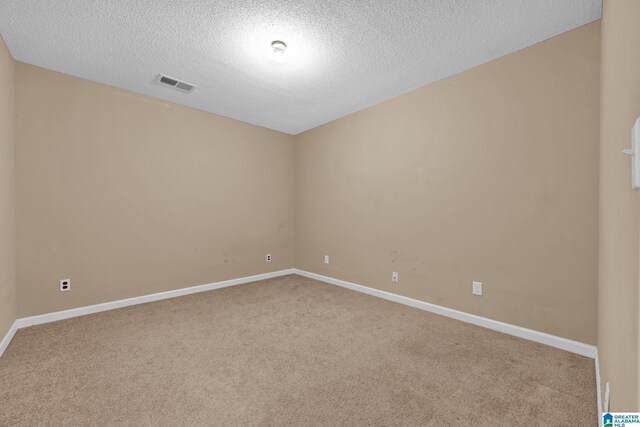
326,259
65,285
268,258
476,288
394,277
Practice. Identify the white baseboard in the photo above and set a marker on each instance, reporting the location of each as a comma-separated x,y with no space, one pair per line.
8,337
598,389
529,334
97,308
518,331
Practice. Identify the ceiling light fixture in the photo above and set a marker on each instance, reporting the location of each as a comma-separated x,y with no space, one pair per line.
279,47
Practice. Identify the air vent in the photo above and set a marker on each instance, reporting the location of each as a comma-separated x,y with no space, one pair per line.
175,83
168,81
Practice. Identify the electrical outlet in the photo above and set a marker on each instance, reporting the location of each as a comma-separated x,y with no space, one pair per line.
326,259
476,288
394,277
267,258
65,285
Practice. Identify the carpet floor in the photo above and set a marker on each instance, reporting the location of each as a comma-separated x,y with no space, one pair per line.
286,351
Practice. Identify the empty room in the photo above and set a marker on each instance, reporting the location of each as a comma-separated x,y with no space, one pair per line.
320,213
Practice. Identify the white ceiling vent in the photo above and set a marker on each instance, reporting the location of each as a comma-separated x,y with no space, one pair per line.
175,83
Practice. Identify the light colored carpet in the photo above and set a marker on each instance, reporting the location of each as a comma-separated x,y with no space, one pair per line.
286,351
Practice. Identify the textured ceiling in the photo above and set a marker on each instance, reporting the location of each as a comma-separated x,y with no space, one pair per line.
342,56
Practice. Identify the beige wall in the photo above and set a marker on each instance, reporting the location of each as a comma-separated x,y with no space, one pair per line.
128,195
489,175
8,302
618,302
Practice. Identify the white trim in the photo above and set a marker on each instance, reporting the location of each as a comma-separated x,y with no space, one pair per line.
97,308
598,389
81,311
8,337
529,334
518,331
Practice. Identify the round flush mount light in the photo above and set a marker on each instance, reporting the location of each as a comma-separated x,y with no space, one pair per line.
279,47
